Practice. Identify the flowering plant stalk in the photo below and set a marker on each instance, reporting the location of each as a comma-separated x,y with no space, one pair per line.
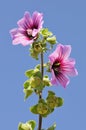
30,31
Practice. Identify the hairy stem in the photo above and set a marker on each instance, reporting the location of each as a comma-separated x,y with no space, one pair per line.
40,95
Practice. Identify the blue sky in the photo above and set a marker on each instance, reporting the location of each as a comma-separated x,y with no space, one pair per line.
67,20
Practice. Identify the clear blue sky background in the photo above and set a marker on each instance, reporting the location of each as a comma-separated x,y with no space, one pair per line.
67,20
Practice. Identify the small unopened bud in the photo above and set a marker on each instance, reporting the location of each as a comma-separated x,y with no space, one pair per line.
38,48
52,102
26,126
51,40
35,82
42,108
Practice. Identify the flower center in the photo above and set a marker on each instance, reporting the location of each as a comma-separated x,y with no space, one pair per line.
56,67
29,32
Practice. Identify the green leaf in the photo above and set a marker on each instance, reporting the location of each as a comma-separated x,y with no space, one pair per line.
33,109
41,101
46,76
28,93
34,54
51,93
33,72
32,123
37,73
52,127
19,126
60,101
45,32
38,67
26,84
29,73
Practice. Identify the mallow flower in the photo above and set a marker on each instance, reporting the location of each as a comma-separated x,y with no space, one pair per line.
28,29
61,65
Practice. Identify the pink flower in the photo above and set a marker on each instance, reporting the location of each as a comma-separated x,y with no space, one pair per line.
61,65
28,29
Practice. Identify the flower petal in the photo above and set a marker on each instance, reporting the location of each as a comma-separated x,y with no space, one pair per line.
53,57
63,51
28,20
66,51
70,71
19,37
21,23
63,80
53,79
37,19
13,32
22,40
68,68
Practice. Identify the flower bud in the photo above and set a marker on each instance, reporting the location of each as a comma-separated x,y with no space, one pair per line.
51,40
35,82
46,81
52,101
46,33
42,108
38,48
26,126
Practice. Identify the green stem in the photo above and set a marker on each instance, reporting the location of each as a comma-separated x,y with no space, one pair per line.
40,95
